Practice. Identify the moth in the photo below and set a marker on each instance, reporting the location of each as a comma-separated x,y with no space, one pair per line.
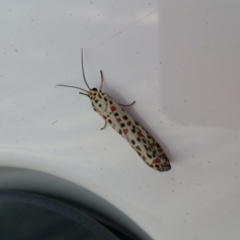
139,139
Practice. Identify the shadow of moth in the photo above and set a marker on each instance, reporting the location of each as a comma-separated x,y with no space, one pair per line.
139,139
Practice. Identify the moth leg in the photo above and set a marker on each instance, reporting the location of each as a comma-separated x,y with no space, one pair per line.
105,123
126,105
101,80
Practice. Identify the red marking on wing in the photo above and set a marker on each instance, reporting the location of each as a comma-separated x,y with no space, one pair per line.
104,117
157,160
129,123
150,145
125,131
140,134
119,119
113,108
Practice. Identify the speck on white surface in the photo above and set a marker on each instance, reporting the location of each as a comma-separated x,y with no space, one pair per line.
178,60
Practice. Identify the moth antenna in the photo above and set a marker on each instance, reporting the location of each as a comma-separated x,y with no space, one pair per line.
83,94
61,85
101,81
83,72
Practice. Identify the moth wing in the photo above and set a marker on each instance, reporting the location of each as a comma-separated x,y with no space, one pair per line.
140,140
154,154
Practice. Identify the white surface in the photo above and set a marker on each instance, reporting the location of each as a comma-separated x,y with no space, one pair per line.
178,59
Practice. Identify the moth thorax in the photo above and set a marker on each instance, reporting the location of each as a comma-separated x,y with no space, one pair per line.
99,103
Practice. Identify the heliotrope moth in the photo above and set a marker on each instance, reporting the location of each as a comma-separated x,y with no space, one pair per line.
139,139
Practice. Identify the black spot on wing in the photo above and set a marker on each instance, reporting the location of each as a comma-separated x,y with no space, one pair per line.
133,129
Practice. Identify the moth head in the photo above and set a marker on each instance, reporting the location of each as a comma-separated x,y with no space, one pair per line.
92,93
